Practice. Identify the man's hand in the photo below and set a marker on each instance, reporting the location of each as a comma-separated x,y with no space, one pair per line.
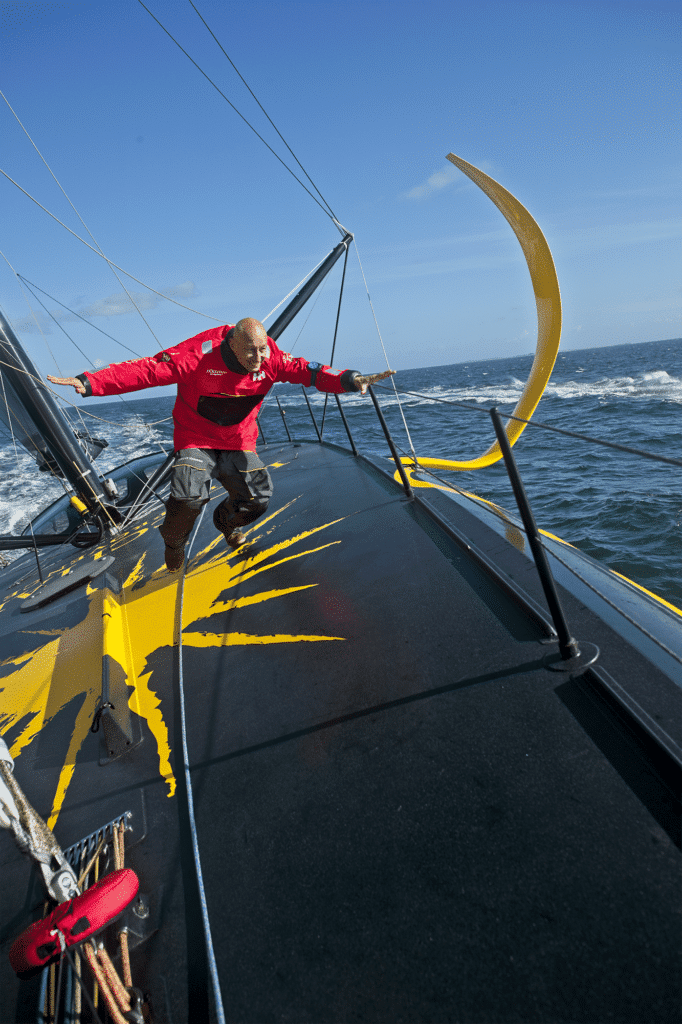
77,384
362,382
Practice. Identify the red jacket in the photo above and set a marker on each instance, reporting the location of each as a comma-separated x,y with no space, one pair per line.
217,399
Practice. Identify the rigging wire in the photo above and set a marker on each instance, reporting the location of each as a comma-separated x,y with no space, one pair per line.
74,313
294,289
73,342
57,324
218,90
79,217
383,349
98,249
268,116
106,258
42,334
67,335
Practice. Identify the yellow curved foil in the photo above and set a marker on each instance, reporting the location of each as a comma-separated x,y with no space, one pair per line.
548,301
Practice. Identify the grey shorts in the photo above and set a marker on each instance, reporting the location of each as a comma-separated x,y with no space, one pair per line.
242,474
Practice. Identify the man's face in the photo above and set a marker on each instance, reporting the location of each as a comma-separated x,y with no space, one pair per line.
250,349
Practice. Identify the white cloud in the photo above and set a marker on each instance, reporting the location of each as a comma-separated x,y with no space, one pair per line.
441,179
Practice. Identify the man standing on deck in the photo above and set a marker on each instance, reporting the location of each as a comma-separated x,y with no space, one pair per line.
222,375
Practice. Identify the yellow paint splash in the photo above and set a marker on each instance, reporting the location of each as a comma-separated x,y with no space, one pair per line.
63,668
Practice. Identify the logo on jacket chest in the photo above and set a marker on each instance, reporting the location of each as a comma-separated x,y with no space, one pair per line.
260,375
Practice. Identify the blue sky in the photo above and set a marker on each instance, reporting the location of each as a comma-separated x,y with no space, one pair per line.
572,106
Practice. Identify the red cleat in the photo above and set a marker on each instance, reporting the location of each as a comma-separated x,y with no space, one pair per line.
74,920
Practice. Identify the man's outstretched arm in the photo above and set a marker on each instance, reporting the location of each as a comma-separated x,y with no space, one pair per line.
301,371
131,375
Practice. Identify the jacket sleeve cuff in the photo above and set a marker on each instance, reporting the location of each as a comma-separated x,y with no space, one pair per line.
348,380
86,384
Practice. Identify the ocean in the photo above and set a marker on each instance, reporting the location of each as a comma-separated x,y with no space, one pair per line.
622,509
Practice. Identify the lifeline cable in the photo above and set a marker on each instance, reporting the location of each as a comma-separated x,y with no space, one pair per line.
213,966
617,608
546,426
574,572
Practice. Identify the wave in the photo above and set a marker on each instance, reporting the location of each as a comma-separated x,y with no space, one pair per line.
656,384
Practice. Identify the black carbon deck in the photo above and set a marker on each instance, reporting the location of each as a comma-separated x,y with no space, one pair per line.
417,821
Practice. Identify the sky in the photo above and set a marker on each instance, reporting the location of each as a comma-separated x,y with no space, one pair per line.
572,106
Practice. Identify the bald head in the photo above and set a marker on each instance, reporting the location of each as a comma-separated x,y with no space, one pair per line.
249,343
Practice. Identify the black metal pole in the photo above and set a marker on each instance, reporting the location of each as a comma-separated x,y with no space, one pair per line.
10,542
299,300
568,646
260,430
312,415
35,551
345,423
44,413
284,419
336,331
391,445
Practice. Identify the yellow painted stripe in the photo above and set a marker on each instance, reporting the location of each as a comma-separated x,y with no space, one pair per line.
661,600
265,595
247,639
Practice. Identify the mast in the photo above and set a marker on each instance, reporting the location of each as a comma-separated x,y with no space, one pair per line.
31,407
299,300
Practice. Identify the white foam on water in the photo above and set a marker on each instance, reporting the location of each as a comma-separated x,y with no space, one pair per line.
25,491
655,384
